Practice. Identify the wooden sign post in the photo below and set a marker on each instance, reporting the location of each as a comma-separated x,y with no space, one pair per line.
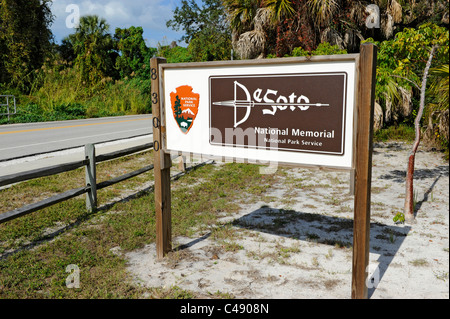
363,169
320,110
162,163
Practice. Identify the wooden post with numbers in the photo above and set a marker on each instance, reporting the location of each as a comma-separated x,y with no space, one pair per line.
353,78
162,164
363,170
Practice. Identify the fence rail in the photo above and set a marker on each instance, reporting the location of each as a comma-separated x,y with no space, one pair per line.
41,172
91,186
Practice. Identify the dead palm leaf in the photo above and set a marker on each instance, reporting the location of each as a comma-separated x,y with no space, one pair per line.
251,44
323,10
264,19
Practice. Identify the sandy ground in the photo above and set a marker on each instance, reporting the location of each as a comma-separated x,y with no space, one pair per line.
295,242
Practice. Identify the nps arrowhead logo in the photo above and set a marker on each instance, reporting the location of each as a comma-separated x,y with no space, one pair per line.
184,107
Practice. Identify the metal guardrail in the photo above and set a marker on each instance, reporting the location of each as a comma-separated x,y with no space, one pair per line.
7,104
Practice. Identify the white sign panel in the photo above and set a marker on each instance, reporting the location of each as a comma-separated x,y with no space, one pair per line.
300,112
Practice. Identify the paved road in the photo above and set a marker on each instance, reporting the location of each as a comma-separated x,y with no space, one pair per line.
19,140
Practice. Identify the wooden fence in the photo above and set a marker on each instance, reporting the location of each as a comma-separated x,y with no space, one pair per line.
90,187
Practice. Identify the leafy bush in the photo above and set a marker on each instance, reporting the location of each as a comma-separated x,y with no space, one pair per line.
400,66
401,61
324,48
69,111
30,112
300,52
175,55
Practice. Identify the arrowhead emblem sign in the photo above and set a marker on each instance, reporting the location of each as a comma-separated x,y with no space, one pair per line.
184,107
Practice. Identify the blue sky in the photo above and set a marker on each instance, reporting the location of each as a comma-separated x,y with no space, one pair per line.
151,15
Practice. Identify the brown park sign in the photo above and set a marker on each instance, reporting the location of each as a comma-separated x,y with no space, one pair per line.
290,112
305,111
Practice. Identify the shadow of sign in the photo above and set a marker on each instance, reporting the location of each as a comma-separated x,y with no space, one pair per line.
385,240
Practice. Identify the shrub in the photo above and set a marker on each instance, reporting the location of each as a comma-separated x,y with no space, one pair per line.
324,48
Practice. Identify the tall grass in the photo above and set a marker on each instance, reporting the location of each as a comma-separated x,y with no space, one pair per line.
401,132
122,97
59,94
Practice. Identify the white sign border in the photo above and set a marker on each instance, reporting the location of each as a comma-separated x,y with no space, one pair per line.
337,63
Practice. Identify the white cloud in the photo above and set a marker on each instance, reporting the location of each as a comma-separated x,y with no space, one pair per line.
114,11
151,15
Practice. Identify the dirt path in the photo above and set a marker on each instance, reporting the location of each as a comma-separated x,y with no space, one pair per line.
295,242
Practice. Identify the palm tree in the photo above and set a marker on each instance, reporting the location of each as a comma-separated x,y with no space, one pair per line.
280,9
241,13
92,24
93,47
440,89
440,86
307,23
322,11
252,21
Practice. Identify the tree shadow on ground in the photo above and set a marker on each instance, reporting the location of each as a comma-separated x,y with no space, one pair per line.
385,240
399,176
419,175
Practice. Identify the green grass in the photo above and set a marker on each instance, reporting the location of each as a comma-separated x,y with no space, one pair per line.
34,260
401,132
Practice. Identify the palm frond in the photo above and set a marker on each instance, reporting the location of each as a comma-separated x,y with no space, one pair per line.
251,44
440,86
280,8
323,10
241,13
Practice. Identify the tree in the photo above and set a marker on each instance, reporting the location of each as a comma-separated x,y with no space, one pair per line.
404,62
134,53
440,87
311,22
322,11
254,24
174,53
94,50
206,29
177,108
25,39
409,202
240,14
210,45
400,66
280,9
193,19
66,51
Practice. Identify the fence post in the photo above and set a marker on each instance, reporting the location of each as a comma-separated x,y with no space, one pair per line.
182,164
91,178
